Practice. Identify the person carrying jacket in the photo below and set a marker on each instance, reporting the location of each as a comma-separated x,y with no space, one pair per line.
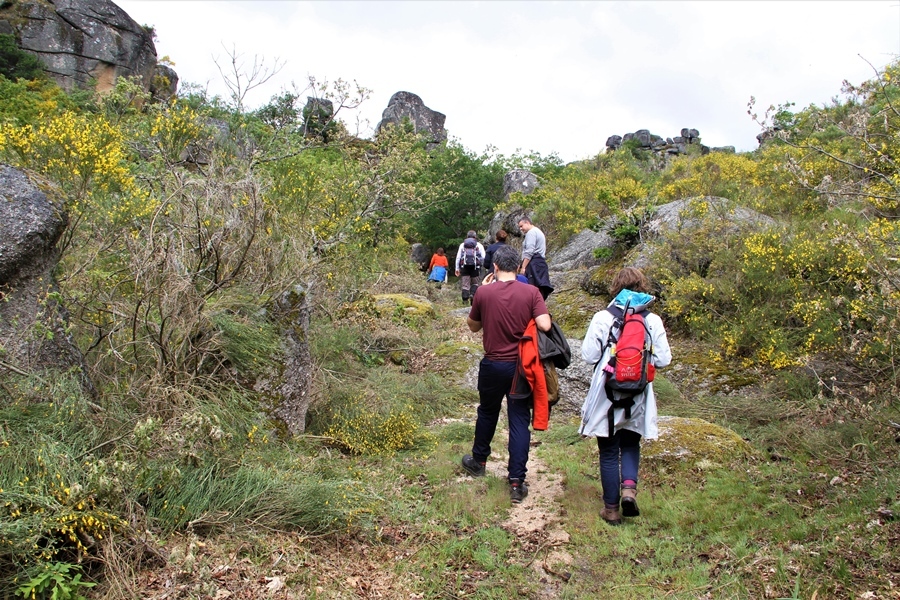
619,442
502,309
534,251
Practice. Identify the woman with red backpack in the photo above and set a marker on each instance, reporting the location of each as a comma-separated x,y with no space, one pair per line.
626,343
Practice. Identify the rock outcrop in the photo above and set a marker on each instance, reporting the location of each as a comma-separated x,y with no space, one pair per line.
519,180
420,254
318,114
427,122
164,83
659,145
33,322
83,43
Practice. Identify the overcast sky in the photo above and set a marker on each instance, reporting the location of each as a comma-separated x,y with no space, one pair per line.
545,76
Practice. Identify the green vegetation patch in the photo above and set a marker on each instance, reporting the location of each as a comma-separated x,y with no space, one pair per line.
404,306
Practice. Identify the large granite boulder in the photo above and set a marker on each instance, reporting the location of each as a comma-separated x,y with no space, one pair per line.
406,105
579,251
318,117
33,323
82,42
519,180
695,226
689,213
420,254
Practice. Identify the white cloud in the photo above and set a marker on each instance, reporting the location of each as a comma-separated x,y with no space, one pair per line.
547,76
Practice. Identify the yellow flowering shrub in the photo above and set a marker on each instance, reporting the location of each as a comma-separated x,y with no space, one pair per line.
85,155
366,432
715,174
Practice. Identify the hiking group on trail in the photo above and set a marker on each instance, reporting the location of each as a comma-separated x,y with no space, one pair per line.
472,257
625,343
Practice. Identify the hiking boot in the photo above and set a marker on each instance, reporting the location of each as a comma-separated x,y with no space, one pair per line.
472,466
629,502
517,491
610,514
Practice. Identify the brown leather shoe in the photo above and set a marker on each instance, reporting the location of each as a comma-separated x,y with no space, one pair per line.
629,502
610,514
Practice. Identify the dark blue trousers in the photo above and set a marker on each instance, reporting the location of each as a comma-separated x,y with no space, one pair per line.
494,382
620,456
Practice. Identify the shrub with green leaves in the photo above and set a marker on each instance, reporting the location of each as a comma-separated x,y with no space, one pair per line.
17,64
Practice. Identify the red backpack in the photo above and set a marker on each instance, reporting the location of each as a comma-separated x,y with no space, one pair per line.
629,369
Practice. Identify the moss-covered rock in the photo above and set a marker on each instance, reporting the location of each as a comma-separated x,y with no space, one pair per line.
405,305
694,444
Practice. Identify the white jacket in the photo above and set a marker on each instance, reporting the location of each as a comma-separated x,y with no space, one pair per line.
595,349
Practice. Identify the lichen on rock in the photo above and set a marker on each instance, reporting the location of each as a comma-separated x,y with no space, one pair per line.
695,443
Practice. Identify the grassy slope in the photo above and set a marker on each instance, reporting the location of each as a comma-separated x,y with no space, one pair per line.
806,515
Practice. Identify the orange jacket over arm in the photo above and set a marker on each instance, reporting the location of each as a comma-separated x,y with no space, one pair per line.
530,361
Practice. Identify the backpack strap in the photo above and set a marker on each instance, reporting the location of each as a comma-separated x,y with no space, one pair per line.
625,402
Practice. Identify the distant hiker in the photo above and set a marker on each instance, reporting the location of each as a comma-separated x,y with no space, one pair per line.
499,240
619,419
503,310
469,260
534,251
438,267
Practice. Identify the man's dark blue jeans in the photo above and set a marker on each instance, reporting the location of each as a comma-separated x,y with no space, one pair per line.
494,382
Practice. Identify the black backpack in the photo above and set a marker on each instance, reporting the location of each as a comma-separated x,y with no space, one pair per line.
470,255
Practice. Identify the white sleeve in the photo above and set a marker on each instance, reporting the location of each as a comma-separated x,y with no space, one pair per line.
662,353
458,257
593,345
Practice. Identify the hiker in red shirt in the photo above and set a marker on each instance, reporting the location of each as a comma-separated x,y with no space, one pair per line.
502,310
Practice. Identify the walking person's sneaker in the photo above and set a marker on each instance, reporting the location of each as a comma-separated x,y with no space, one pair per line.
629,502
610,514
517,491
472,466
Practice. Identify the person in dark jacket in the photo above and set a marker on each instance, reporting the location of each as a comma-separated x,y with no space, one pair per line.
500,240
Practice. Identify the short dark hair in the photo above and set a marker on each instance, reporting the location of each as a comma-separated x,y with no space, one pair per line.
525,219
471,234
501,236
506,258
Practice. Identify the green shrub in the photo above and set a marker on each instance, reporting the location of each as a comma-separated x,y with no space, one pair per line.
17,64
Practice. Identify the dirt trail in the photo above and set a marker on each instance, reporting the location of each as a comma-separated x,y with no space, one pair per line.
536,523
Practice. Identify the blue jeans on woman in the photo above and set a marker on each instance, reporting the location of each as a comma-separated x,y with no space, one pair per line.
494,381
619,459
